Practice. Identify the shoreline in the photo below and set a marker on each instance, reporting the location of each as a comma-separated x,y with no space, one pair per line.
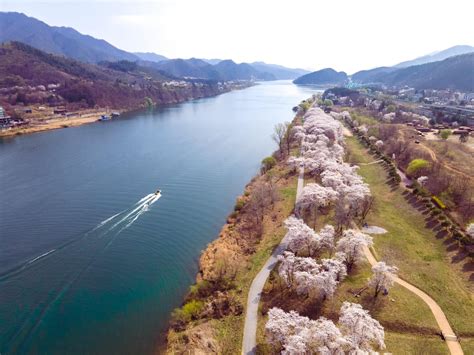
88,116
56,123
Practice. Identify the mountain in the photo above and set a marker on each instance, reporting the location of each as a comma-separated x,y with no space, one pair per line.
30,76
200,69
322,77
188,68
278,71
371,75
450,52
212,61
229,70
455,73
65,41
151,57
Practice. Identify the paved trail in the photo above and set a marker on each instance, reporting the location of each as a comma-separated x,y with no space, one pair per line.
449,336
249,342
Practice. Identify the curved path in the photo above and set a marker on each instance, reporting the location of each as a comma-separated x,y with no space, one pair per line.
446,330
249,342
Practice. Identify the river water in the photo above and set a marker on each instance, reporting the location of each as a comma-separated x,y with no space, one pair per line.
91,261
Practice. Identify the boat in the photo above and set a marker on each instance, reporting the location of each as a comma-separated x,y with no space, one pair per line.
158,192
115,114
104,118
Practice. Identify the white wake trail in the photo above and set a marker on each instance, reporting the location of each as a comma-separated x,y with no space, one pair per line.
144,208
145,201
41,256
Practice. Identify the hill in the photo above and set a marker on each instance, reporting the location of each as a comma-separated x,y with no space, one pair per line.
30,76
450,52
455,73
229,70
152,57
187,68
326,76
58,40
278,71
197,68
371,75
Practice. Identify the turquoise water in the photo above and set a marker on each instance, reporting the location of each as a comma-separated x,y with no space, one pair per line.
91,261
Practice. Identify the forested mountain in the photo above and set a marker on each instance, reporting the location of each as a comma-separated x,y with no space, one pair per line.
444,54
58,40
31,76
326,76
278,71
371,75
152,57
454,73
231,71
223,70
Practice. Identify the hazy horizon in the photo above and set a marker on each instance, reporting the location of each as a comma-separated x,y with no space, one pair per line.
310,35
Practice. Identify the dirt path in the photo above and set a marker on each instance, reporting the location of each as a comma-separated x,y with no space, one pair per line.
446,330
249,342
433,156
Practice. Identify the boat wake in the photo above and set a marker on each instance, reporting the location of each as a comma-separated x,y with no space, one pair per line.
118,222
65,266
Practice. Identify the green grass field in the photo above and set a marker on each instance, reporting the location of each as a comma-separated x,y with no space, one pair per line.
414,248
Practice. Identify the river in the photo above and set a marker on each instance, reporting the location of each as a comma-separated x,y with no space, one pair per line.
91,261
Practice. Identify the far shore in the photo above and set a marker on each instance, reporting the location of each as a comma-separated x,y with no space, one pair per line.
46,124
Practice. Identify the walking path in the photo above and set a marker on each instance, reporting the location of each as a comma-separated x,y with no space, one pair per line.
249,342
446,330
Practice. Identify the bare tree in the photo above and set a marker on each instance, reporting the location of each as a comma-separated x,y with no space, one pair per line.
279,132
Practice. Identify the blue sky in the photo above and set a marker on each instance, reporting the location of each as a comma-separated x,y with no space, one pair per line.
347,35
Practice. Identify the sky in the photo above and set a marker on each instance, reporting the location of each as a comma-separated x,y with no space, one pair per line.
348,35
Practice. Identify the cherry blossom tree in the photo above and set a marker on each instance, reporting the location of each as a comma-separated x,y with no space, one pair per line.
290,264
301,239
314,196
422,180
357,332
326,235
362,331
470,230
383,277
282,325
352,246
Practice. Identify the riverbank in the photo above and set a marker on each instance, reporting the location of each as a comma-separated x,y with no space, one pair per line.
39,121
52,122
211,319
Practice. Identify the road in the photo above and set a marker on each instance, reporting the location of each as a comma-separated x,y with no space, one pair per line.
448,334
249,342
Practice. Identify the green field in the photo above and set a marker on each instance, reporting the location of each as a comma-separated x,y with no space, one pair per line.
421,256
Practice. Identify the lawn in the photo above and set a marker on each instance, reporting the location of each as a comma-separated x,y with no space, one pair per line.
421,256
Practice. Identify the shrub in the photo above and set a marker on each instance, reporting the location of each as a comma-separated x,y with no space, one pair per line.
416,166
438,202
267,164
239,204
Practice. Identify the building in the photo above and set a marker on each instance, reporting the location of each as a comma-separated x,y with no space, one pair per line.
4,118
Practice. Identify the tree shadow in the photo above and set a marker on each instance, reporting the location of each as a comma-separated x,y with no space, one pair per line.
460,256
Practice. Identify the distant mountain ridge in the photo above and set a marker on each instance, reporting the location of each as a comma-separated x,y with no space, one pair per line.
327,76
72,44
58,40
149,56
455,73
444,54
